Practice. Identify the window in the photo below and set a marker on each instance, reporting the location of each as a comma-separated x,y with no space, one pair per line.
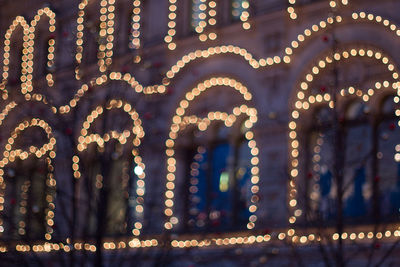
371,185
238,8
355,150
220,182
388,164
108,187
320,185
198,15
112,184
27,185
25,197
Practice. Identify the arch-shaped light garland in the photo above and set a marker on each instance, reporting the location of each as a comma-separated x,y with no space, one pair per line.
304,103
179,120
122,137
10,155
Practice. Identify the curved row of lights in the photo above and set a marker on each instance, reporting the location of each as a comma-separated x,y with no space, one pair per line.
136,133
332,3
10,155
202,124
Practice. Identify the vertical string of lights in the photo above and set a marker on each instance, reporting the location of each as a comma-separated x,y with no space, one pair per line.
28,52
18,21
106,42
240,11
169,39
194,199
204,19
135,31
79,36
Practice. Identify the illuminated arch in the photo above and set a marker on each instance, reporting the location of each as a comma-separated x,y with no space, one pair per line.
136,133
113,76
135,35
180,121
10,155
304,102
202,124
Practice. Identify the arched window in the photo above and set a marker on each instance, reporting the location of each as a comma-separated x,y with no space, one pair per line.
25,194
388,164
219,188
108,172
27,184
112,183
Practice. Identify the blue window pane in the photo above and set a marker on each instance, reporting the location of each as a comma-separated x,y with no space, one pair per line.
220,188
357,171
389,168
198,13
238,7
243,176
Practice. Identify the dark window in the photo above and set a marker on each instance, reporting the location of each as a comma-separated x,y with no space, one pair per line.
25,200
219,184
108,187
389,161
237,9
356,151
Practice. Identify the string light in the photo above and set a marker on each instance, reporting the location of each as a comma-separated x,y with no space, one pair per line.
204,20
47,151
304,103
136,133
292,12
105,60
135,37
179,122
28,52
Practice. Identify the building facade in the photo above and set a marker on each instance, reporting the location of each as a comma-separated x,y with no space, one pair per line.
199,132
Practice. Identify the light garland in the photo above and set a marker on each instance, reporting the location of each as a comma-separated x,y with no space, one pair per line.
205,16
135,36
304,103
10,155
114,76
179,121
28,52
293,14
122,137
18,21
